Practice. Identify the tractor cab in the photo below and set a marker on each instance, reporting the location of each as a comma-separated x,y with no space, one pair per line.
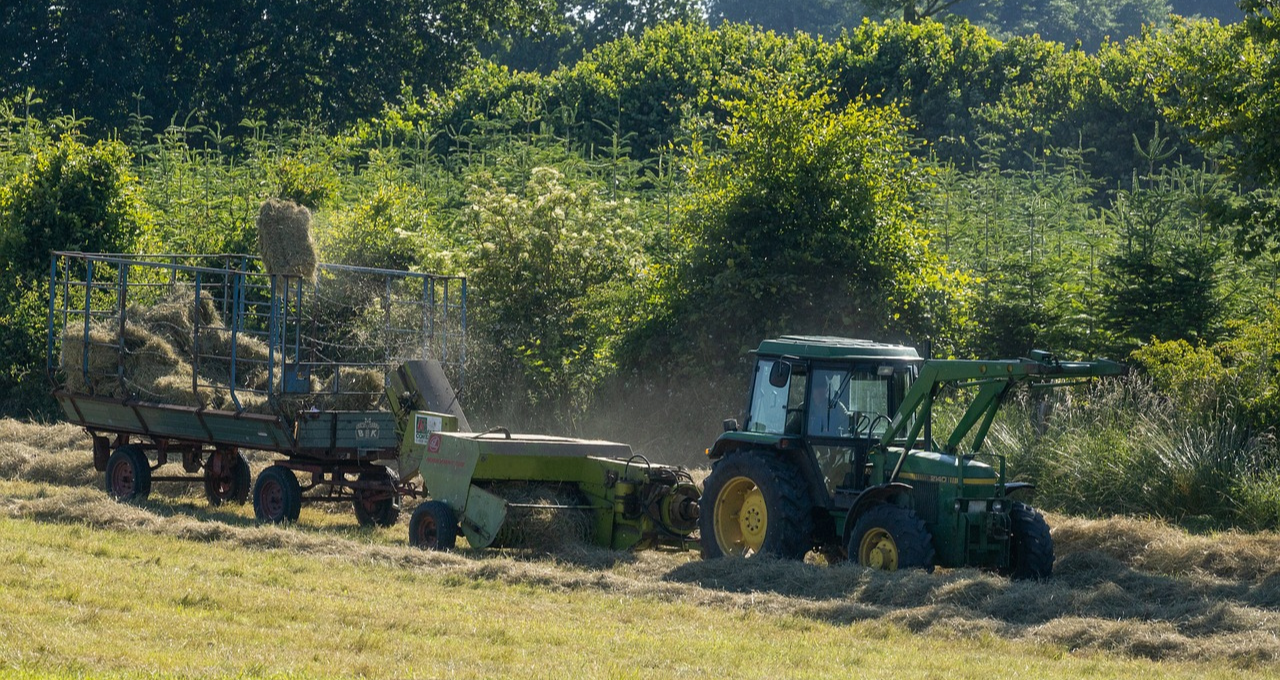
837,396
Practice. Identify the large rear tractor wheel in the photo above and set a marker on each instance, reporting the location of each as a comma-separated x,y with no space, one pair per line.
277,497
128,474
379,507
433,526
754,503
1030,544
226,478
889,538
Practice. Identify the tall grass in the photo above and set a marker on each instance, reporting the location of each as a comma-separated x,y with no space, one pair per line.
1122,447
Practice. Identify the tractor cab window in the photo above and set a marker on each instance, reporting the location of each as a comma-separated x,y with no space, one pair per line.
776,410
849,402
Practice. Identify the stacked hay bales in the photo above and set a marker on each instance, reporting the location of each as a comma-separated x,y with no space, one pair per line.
174,316
354,389
171,350
284,239
134,350
216,348
152,359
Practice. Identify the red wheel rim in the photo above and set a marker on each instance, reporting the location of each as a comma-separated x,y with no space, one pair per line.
272,498
122,480
219,470
428,535
222,488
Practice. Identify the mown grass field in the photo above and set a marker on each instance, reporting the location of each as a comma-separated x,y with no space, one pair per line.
171,588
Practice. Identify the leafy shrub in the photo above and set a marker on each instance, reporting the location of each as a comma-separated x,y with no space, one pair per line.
72,197
545,265
806,222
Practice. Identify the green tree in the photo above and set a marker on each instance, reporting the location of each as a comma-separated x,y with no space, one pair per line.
331,61
1088,22
73,197
1165,280
911,11
584,26
811,16
545,263
805,223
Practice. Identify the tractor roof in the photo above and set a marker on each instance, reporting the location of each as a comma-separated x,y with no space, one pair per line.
829,347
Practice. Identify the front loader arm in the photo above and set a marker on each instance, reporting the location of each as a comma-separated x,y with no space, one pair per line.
994,379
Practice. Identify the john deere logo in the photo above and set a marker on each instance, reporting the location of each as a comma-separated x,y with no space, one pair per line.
367,429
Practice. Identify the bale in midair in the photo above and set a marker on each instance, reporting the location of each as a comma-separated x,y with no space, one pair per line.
284,239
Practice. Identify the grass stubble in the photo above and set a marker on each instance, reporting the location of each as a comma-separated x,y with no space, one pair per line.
172,587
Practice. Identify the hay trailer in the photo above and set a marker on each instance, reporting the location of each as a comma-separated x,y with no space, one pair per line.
533,491
193,359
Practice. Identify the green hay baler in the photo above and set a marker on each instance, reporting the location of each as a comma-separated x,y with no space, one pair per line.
479,486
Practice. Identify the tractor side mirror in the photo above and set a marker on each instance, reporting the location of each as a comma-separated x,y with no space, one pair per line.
780,373
730,425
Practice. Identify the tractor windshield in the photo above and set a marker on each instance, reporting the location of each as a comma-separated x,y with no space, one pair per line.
849,401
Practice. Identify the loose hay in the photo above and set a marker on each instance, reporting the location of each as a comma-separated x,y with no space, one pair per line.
534,523
285,241
175,316
1215,621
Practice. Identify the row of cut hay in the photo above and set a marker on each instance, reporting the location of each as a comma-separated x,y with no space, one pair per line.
1100,603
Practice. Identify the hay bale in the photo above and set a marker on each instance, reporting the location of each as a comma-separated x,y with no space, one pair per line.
103,359
174,316
144,352
354,389
251,356
284,239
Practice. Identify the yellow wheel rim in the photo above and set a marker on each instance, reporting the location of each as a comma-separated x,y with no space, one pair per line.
878,550
741,518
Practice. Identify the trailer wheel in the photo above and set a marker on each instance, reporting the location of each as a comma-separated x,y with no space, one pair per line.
753,503
889,538
277,497
226,478
128,474
433,526
1030,544
382,507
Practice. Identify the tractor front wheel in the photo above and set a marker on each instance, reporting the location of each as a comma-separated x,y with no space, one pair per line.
754,503
1030,544
889,538
433,526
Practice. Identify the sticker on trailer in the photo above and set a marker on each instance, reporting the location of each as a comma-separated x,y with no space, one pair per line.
424,425
367,429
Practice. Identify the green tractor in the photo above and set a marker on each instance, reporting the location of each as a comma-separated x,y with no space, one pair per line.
837,455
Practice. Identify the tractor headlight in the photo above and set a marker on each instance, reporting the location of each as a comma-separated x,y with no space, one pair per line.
997,506
977,506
